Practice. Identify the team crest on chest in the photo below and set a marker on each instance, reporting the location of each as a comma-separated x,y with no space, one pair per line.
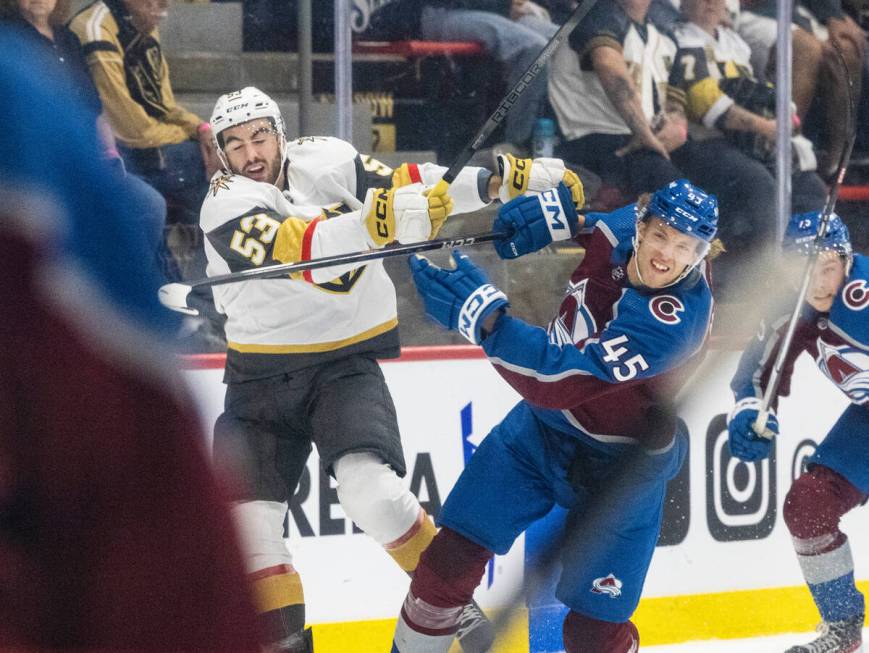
575,321
344,283
847,367
666,309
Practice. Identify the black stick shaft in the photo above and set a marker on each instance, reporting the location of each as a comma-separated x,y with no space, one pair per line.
829,206
282,270
537,66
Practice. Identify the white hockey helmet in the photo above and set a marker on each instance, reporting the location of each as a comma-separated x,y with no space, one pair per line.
242,106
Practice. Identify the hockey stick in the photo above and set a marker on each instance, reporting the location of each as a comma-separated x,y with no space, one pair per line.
174,295
829,206
497,117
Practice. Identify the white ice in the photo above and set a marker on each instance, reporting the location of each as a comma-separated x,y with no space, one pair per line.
776,644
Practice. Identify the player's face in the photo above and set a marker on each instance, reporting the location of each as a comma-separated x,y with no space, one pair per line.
253,150
828,275
147,14
663,253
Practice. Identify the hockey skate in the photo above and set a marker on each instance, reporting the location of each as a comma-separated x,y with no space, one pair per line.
835,637
475,633
300,642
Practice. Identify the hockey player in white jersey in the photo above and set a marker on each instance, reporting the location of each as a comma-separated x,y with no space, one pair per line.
301,362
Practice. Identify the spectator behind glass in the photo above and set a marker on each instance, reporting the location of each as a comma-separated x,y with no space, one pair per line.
158,139
623,117
43,22
725,99
820,86
513,32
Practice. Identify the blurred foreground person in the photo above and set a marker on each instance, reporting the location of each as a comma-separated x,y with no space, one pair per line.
113,534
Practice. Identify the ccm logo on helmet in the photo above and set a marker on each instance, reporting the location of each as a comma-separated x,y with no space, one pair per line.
856,295
666,309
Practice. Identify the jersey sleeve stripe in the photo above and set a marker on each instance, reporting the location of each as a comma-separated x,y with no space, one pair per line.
98,46
307,241
413,171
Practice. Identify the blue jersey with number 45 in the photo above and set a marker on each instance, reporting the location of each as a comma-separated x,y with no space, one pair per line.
614,351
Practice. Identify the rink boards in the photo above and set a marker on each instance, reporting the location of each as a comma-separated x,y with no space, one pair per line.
724,567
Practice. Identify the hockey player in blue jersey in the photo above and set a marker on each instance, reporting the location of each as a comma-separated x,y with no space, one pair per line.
595,386
834,330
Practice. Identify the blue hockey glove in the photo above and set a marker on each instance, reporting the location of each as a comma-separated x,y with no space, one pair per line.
534,221
744,442
458,299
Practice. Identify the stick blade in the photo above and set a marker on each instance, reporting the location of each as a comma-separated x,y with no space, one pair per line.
174,296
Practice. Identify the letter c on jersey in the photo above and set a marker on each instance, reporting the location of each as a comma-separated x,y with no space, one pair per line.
856,295
666,309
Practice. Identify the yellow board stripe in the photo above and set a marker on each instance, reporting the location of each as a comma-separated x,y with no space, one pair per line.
316,347
376,636
663,620
727,615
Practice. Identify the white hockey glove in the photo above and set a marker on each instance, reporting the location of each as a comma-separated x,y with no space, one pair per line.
521,176
410,214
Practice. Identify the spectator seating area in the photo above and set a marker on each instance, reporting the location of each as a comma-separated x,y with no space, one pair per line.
406,93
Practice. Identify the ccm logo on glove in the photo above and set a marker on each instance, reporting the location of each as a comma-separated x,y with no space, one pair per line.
519,176
474,305
556,219
381,214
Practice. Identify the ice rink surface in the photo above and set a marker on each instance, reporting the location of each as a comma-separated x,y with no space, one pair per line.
776,644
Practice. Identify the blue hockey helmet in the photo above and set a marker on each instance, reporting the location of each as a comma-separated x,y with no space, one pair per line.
803,228
686,208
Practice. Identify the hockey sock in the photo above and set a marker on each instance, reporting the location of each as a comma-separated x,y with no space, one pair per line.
813,507
830,577
407,549
280,601
443,583
584,634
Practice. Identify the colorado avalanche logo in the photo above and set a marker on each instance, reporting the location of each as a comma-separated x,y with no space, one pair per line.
848,368
575,322
856,295
609,585
666,309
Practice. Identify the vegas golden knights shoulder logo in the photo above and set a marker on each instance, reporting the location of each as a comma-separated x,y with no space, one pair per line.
220,183
344,283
